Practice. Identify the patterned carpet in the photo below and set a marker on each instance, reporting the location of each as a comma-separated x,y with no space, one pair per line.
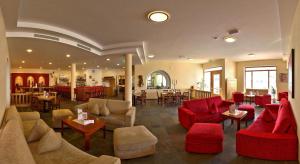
163,123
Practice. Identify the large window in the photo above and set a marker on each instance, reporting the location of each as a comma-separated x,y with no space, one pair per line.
260,78
158,80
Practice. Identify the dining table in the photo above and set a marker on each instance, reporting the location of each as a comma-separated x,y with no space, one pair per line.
46,101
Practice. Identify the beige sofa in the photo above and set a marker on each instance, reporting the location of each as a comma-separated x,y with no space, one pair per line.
121,114
14,148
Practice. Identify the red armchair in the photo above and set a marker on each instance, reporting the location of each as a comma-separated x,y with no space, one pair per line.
206,110
238,97
262,100
283,95
272,136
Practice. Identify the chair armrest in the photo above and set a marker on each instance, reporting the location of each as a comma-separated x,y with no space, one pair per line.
186,117
106,159
227,103
130,116
25,116
83,106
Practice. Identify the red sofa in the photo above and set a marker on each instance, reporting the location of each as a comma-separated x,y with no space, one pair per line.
283,95
238,97
272,136
262,100
208,110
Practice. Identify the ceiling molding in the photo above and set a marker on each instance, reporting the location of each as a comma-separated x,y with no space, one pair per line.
126,47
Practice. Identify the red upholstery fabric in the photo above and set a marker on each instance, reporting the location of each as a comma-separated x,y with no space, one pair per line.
204,138
238,97
250,109
262,100
202,110
283,95
258,141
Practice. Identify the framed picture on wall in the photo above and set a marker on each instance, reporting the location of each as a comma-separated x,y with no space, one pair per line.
291,73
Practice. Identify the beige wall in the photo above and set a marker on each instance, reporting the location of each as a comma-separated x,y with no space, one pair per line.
230,78
279,63
295,43
186,74
4,70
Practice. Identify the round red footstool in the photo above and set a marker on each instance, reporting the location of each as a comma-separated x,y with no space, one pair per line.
204,138
249,109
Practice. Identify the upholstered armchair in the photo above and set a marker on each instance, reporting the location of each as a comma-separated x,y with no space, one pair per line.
282,95
238,97
262,100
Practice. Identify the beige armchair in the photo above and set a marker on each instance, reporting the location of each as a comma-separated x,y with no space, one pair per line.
121,114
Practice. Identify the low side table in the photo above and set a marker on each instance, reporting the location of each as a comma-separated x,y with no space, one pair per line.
238,116
86,130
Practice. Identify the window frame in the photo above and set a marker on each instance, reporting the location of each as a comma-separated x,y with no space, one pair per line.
258,70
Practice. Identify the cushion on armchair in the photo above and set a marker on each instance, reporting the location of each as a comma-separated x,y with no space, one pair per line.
117,106
196,106
40,128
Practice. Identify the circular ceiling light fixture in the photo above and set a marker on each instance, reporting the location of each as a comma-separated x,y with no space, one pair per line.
68,55
29,50
84,63
98,66
158,16
50,63
229,39
118,64
23,61
108,59
69,66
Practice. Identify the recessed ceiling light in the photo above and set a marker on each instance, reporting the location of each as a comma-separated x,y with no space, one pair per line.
83,68
68,55
229,39
50,63
108,59
23,61
29,50
41,67
251,54
118,64
84,63
98,66
158,16
69,66
189,58
20,67
123,67
150,56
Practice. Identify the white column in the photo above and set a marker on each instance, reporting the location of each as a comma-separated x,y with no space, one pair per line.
128,78
73,81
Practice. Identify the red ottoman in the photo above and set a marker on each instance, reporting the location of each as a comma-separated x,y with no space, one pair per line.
250,109
204,138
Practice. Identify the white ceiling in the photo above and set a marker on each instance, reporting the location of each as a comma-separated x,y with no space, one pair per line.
188,33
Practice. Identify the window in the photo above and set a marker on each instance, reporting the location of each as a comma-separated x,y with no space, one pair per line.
260,78
158,80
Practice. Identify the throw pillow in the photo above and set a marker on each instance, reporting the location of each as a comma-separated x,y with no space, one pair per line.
283,122
267,116
40,128
95,109
104,111
49,142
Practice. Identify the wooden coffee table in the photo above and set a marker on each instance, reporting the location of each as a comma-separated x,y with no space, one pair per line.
86,130
237,117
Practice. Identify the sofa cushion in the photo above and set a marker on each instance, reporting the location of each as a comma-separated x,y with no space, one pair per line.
214,100
38,131
93,101
12,113
94,109
214,109
197,106
267,116
27,126
115,119
118,106
14,148
51,141
285,118
103,111
205,133
208,117
259,125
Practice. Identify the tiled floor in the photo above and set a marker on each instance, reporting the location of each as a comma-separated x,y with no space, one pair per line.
163,123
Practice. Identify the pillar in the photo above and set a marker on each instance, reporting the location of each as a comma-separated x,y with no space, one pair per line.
73,81
128,78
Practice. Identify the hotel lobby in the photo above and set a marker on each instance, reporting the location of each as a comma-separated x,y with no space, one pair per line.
149,82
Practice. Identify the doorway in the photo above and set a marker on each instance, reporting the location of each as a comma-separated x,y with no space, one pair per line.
212,80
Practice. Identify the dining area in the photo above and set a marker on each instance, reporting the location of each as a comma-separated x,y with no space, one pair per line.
163,97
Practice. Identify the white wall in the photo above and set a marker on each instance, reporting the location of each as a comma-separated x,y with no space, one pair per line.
295,43
4,70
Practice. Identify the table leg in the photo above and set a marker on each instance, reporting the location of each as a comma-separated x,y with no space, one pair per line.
104,134
62,128
238,124
87,139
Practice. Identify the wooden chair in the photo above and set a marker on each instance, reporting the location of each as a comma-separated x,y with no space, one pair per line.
36,104
177,97
159,98
142,97
185,95
55,103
